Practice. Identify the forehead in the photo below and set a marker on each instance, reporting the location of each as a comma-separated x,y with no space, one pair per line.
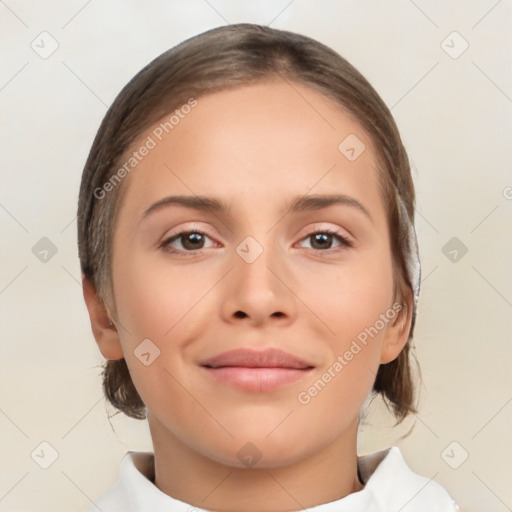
258,142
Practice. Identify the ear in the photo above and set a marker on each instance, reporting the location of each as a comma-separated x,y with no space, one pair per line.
104,331
398,330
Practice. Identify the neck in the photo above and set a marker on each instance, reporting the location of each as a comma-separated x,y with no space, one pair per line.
189,476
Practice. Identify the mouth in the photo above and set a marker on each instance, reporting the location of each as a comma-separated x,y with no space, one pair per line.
256,371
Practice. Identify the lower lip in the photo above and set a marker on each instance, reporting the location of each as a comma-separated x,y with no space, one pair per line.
258,380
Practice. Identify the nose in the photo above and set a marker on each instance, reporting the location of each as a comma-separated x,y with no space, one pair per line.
260,287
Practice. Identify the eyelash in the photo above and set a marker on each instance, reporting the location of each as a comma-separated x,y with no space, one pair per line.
344,242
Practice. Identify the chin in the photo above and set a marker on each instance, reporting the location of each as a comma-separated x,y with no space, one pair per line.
260,451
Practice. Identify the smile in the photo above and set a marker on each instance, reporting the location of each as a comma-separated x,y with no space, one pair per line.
256,371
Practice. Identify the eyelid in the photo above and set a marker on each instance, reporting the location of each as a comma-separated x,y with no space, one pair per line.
191,226
345,242
194,228
335,230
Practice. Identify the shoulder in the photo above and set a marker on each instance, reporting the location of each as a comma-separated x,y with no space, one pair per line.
134,491
394,485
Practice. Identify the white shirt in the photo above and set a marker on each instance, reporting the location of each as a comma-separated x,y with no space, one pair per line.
390,486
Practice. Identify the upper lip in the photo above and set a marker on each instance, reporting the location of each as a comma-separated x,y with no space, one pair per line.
269,358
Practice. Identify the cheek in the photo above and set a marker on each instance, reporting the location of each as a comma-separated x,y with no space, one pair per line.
352,296
358,312
357,315
160,309
152,297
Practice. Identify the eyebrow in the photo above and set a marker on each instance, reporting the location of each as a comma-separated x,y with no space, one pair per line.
299,204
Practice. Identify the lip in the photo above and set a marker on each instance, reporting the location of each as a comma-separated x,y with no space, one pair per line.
256,371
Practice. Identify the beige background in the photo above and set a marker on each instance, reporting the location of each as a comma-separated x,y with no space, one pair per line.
455,118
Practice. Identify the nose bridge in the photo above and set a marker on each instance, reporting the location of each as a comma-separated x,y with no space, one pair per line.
257,291
256,257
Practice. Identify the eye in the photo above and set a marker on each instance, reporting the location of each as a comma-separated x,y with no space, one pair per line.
323,240
190,241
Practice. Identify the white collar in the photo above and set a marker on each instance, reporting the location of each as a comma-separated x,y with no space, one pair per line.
389,486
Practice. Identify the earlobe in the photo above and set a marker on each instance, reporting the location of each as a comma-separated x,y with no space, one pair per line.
103,329
397,333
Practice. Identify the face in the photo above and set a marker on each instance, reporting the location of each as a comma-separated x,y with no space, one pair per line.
264,322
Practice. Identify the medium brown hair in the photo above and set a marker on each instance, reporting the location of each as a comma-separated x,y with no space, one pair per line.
216,60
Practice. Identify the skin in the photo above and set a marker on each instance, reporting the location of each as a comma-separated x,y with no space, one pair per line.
255,147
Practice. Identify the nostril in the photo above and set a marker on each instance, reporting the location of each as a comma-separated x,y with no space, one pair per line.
240,314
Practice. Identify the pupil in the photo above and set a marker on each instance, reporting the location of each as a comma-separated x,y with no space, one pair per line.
192,238
322,237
